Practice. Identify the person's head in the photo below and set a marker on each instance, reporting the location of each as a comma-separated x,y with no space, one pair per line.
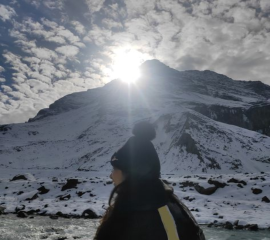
137,159
117,176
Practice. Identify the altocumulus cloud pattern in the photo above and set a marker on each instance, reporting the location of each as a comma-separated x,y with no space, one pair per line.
52,48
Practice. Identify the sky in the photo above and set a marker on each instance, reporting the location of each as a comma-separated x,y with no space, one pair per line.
49,48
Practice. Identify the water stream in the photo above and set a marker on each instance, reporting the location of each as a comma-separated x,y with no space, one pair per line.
13,228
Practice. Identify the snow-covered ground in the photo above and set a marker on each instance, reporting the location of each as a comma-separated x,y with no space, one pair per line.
235,201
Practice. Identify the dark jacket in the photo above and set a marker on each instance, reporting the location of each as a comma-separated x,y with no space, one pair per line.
143,213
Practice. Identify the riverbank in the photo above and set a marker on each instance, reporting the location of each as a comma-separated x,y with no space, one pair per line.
231,200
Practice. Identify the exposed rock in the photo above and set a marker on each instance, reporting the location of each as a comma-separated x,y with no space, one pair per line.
64,197
22,214
32,198
233,180
19,208
88,213
80,193
265,199
55,179
236,222
71,183
187,184
217,183
205,191
228,225
43,190
239,185
54,217
253,227
256,190
18,177
2,209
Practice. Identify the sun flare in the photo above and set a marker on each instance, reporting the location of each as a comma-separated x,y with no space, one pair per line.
126,65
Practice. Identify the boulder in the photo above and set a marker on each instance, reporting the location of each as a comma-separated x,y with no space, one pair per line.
253,227
205,191
19,208
256,190
88,213
2,209
25,176
43,190
64,197
22,214
32,198
18,177
71,183
236,222
217,183
233,180
265,199
228,225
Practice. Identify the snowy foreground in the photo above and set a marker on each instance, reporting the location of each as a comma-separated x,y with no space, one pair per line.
237,199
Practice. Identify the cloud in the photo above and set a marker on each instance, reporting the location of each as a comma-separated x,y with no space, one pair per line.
6,12
79,28
2,69
68,51
94,5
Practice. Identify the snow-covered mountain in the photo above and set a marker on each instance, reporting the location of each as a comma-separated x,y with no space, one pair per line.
205,122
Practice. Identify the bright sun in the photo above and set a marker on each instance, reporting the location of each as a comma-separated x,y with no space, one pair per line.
126,65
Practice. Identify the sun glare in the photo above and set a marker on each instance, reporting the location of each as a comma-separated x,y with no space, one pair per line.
126,65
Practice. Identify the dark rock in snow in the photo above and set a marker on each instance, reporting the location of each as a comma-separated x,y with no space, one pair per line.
228,225
80,193
2,209
233,180
265,199
239,185
18,177
64,197
187,184
22,214
54,217
253,227
217,183
88,213
256,190
205,191
55,179
43,190
236,222
71,183
19,208
32,198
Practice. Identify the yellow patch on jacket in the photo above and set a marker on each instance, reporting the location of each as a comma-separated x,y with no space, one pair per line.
169,223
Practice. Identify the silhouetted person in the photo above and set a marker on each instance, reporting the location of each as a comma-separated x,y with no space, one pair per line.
141,205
